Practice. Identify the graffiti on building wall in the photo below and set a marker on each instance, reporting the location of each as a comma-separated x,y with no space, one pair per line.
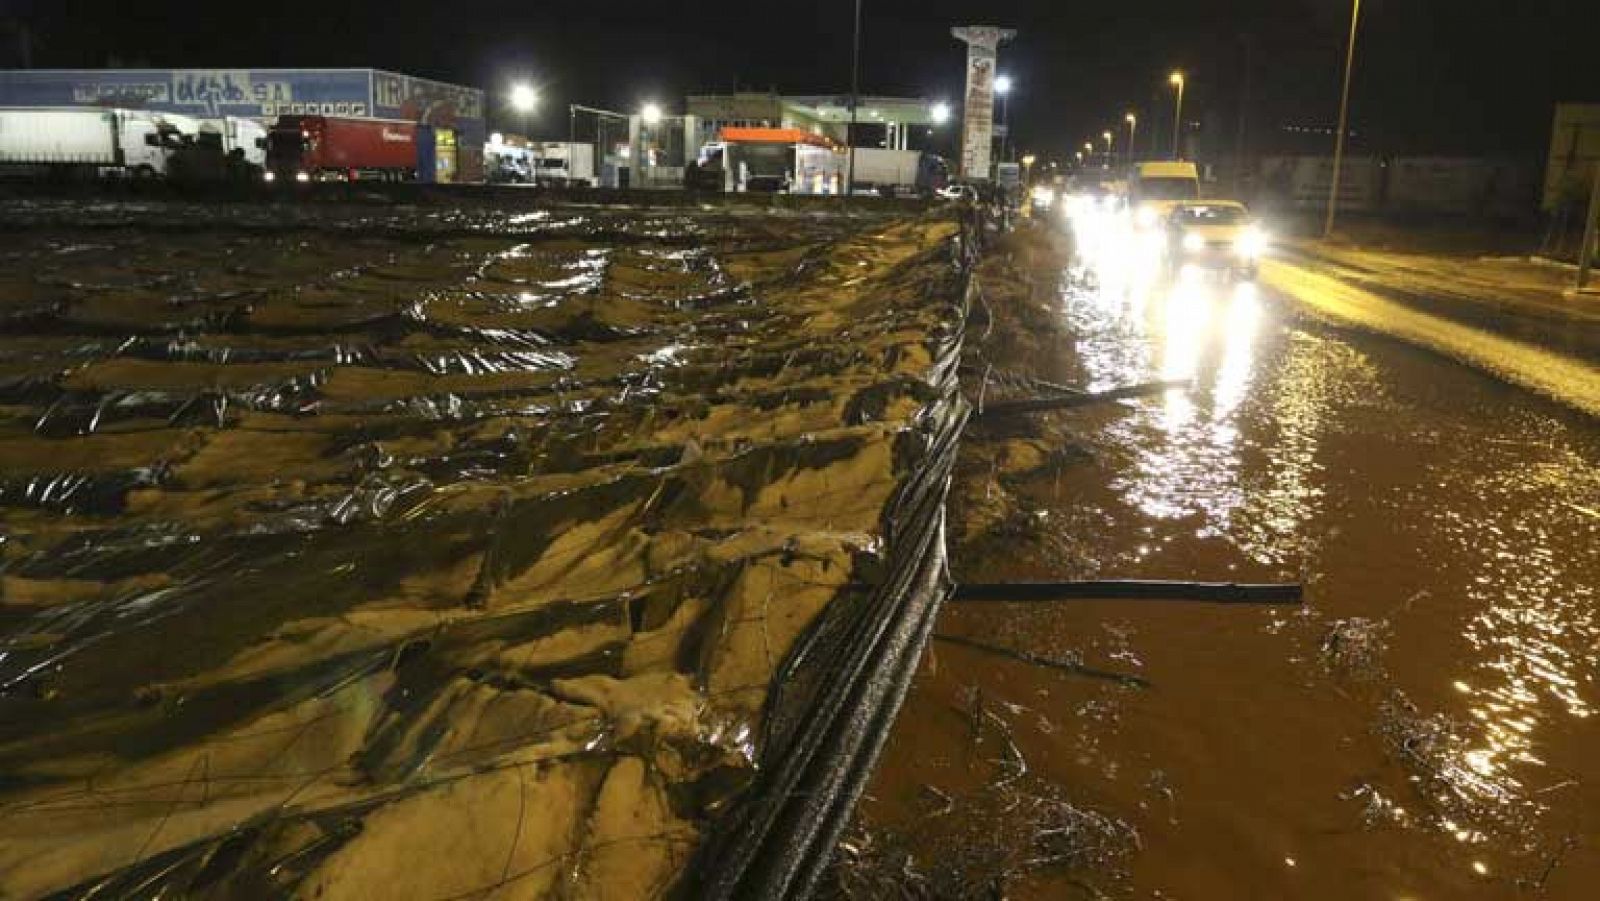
421,100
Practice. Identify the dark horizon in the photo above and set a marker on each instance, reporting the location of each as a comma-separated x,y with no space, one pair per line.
1429,78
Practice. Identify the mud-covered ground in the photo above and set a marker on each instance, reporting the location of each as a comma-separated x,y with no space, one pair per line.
430,553
1422,727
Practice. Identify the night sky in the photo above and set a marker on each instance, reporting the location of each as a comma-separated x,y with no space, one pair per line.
1433,76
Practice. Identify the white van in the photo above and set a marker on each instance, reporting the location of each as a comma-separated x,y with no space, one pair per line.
1159,187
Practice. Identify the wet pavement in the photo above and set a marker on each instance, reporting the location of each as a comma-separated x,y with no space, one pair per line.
432,552
1423,727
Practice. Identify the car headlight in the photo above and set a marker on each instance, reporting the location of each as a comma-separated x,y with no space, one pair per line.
302,176
269,176
1193,243
1253,242
1145,217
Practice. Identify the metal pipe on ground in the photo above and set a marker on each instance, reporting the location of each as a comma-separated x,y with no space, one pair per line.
1133,590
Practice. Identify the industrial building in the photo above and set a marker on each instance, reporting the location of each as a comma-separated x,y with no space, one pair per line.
821,114
456,112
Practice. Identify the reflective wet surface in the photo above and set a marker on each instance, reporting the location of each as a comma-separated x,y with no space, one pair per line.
1422,727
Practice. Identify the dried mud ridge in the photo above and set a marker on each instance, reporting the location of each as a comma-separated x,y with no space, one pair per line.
446,555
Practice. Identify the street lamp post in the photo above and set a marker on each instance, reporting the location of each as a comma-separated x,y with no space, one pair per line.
855,101
1177,116
1344,109
1133,135
1002,86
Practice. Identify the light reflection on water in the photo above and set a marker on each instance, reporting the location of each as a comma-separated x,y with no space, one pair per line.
1244,455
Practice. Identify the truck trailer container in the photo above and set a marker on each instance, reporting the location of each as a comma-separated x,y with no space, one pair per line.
331,148
564,164
903,172
87,140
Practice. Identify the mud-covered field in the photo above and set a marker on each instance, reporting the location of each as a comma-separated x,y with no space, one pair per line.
442,553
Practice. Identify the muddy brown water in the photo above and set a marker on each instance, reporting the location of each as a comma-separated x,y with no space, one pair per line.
1423,727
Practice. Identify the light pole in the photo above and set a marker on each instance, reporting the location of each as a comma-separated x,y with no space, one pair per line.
1002,86
855,101
1108,137
1088,150
1176,78
1133,135
1344,109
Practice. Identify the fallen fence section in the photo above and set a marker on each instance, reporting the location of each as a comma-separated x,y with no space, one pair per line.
837,696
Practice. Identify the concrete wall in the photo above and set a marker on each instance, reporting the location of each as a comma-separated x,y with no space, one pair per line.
1574,152
1425,186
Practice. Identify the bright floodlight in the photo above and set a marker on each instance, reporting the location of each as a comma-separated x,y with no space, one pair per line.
651,114
1002,84
1176,78
941,113
1130,118
523,98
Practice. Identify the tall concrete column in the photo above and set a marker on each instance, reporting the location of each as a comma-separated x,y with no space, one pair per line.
977,128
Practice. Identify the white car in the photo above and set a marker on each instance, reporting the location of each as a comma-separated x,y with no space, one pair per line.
1217,234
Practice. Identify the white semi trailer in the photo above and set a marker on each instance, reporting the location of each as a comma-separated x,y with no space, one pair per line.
564,164
88,140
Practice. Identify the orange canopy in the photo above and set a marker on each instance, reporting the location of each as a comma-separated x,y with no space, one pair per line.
734,134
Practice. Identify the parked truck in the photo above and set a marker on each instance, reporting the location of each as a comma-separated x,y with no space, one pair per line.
88,141
331,148
898,172
564,164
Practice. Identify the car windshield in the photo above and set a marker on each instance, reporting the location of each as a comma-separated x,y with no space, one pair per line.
1211,215
1169,189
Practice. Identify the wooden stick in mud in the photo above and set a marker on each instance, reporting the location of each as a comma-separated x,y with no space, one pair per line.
1042,404
1133,590
1077,669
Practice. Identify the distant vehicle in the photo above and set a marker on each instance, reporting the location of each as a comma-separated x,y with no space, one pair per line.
898,172
1158,187
959,191
564,164
330,148
1091,191
87,141
1217,234
507,164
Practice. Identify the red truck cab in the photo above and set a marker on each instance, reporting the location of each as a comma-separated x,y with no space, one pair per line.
329,148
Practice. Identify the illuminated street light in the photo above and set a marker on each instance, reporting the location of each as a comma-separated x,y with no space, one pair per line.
1002,85
524,98
651,113
941,113
1133,133
1176,79
1107,137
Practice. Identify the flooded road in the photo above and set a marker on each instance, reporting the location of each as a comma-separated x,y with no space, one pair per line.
1423,727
